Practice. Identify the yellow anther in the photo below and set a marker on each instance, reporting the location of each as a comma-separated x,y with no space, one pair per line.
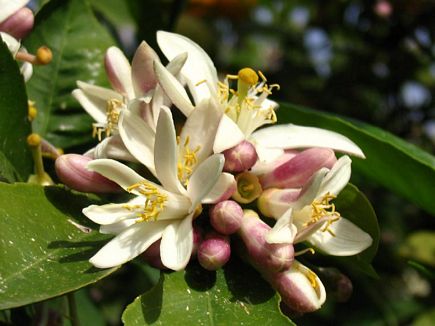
154,201
32,111
43,55
201,82
34,140
186,161
248,76
304,251
322,208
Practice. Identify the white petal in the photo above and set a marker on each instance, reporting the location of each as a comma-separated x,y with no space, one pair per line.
204,178
338,177
228,135
283,231
138,137
198,67
99,92
128,244
142,69
348,240
112,147
310,191
12,43
110,213
115,171
166,153
292,136
119,72
117,228
201,127
26,70
177,243
9,7
94,106
173,89
223,189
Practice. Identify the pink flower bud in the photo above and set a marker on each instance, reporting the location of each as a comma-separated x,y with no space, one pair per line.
297,171
267,258
19,24
214,251
152,255
197,239
226,217
71,170
300,288
240,157
274,202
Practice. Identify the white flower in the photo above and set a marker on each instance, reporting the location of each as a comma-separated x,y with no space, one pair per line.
156,212
243,110
135,83
312,217
14,47
9,7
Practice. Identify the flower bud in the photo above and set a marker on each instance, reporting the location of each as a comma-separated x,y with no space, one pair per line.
71,170
197,239
338,284
300,288
248,188
226,217
214,251
295,172
267,258
240,157
152,255
18,24
274,202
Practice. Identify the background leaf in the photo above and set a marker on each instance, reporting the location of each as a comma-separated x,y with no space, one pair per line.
420,246
15,159
78,43
392,162
44,253
235,295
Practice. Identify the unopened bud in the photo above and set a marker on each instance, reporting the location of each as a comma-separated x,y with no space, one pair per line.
267,258
300,288
43,55
338,284
197,239
298,170
274,202
214,251
248,188
19,24
71,170
226,217
240,157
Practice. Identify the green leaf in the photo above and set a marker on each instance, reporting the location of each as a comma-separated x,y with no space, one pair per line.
15,157
115,11
425,319
420,246
354,205
392,162
44,250
236,295
78,43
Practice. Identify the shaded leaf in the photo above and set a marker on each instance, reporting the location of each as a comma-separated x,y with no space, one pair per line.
15,159
420,246
45,244
78,43
392,162
236,295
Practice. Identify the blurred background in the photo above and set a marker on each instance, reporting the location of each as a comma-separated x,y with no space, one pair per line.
372,61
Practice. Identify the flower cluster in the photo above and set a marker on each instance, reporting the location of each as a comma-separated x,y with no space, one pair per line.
219,156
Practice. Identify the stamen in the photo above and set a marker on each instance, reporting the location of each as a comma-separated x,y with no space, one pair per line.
322,208
186,161
248,76
201,82
32,111
154,201
43,56
304,251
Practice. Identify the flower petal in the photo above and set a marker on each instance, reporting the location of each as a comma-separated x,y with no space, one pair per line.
118,227
173,89
9,7
111,213
283,231
128,244
166,153
119,72
223,189
137,136
177,244
199,70
115,171
310,191
142,69
348,239
293,136
204,178
338,177
112,147
228,135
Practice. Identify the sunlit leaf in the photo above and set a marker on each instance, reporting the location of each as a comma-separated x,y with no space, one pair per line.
45,244
420,246
78,43
392,162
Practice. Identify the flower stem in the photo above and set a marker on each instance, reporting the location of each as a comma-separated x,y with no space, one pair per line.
72,308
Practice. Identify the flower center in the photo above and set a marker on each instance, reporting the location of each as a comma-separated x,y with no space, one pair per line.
323,208
186,161
248,188
154,201
113,109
